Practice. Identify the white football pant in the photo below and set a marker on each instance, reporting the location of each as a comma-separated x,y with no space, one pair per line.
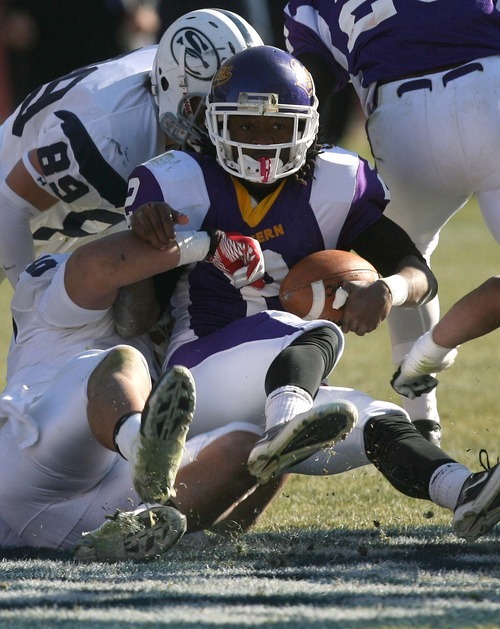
67,483
436,143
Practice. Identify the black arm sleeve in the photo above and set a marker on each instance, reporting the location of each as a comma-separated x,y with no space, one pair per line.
323,77
330,115
385,244
164,284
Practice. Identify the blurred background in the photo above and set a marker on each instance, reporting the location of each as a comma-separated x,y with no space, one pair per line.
43,40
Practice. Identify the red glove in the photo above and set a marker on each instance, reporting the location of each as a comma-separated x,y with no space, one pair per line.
238,257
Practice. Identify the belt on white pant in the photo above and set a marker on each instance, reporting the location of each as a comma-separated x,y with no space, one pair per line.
426,83
452,75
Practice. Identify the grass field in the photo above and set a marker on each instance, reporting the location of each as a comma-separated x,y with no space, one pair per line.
346,551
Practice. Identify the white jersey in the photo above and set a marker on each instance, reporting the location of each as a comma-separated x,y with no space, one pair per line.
90,129
66,482
49,330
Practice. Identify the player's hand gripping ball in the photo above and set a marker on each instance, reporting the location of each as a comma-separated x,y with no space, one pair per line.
310,287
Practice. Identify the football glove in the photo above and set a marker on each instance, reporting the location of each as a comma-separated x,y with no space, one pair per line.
238,257
425,357
413,388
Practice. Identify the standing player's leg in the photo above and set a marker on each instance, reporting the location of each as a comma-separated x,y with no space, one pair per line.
427,188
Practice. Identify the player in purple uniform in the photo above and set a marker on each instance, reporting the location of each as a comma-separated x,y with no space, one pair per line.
427,74
281,194
250,359
68,149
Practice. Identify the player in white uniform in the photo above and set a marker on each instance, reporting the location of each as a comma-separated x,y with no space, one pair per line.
427,73
250,359
73,403
68,149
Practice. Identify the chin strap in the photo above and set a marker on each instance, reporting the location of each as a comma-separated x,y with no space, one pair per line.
182,80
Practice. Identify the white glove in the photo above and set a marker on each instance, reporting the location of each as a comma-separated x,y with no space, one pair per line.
413,388
425,357
238,257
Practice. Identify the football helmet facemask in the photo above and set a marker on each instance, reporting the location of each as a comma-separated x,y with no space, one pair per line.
190,52
262,81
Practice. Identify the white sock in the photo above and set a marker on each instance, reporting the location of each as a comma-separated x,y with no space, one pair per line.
446,484
127,437
285,403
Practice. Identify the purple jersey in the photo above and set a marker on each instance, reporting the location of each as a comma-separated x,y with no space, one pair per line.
345,197
378,41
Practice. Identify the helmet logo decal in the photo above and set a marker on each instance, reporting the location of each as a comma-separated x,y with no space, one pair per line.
201,57
303,77
223,76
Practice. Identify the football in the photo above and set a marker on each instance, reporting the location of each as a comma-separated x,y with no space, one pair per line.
308,290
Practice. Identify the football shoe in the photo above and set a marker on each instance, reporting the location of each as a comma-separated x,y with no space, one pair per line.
140,535
164,426
289,443
478,505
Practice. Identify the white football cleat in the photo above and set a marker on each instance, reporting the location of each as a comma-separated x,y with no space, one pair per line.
139,535
289,443
164,426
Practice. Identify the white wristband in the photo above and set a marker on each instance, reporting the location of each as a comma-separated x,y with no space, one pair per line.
38,178
398,288
193,246
426,357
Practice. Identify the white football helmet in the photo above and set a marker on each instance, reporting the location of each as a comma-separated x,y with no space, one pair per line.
190,52
262,81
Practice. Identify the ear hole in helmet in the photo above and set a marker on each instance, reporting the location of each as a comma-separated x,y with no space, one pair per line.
164,84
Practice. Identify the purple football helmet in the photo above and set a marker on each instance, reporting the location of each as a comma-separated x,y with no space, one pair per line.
262,81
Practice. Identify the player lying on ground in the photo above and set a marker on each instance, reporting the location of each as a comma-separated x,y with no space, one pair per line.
77,398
